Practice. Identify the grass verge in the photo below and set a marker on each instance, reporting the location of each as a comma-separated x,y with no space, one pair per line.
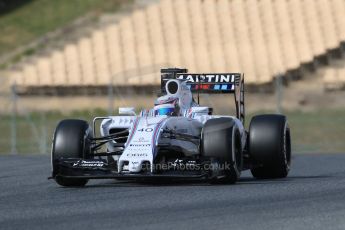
312,132
35,18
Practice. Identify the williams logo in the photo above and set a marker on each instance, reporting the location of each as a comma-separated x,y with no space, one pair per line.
83,163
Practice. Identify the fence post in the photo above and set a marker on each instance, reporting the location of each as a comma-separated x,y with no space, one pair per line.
279,93
14,120
110,96
43,141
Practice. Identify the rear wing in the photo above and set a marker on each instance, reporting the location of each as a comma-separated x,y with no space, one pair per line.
210,83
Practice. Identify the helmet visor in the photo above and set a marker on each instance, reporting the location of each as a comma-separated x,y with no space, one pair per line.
164,111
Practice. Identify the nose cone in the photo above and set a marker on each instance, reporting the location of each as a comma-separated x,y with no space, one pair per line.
141,144
134,166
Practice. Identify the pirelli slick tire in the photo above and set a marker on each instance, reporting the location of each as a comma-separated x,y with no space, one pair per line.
71,140
221,143
270,146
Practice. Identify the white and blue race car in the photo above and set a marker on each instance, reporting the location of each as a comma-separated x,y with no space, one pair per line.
176,139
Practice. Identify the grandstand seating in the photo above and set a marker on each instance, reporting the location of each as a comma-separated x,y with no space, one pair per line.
217,57
338,10
271,37
262,38
86,61
128,44
313,28
143,47
283,20
72,65
327,23
227,32
44,71
245,49
100,58
29,75
155,33
201,51
334,78
58,68
259,51
115,50
299,31
170,32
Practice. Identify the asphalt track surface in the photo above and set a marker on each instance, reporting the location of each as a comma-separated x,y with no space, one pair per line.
312,197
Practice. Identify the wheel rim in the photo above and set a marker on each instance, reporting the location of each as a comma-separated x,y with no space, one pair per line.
287,147
236,152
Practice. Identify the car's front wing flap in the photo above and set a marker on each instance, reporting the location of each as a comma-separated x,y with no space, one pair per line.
98,169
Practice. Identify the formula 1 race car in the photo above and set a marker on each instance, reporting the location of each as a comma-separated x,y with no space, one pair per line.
176,139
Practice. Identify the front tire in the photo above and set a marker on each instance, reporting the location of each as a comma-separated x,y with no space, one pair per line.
221,143
71,140
270,146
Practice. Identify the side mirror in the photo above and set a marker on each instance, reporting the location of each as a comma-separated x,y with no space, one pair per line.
127,111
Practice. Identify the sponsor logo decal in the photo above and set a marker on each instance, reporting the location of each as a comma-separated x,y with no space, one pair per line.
141,140
146,130
137,154
208,78
83,163
140,145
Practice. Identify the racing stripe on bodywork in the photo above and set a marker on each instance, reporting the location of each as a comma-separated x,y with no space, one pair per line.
155,135
190,113
135,125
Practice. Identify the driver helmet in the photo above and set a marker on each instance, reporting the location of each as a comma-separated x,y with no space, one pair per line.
166,106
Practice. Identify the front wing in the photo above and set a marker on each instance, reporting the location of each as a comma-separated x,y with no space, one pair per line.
98,169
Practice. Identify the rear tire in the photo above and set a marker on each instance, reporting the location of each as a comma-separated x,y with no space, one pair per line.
270,146
221,143
71,140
